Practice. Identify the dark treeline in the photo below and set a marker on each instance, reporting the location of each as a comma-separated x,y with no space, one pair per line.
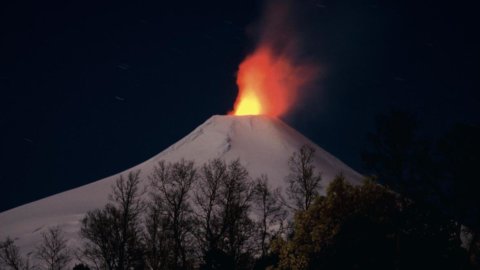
436,171
215,216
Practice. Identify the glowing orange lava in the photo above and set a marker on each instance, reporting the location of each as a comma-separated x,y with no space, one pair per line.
268,84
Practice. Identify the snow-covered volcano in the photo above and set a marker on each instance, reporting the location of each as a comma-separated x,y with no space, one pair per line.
262,144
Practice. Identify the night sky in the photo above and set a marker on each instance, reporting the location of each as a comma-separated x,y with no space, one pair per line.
89,89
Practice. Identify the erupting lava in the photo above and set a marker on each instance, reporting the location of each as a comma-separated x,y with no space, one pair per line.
268,84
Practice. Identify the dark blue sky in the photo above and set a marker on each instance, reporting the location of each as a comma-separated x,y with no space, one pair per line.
90,88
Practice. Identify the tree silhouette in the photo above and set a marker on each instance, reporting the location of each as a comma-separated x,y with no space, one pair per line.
397,156
303,181
459,151
113,234
53,251
171,185
158,242
10,256
223,196
271,214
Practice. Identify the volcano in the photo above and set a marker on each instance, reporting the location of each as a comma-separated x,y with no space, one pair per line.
263,145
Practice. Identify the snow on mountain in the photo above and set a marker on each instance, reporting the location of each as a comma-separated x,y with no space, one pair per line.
263,144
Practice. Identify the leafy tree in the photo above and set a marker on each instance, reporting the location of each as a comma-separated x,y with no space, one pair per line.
53,251
171,185
113,234
303,181
10,256
374,228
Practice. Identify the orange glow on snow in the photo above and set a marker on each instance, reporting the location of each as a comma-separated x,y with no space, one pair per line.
268,84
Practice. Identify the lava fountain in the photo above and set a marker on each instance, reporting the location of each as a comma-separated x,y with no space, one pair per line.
273,77
269,83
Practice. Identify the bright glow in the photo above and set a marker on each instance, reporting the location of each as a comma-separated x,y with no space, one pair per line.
268,84
248,105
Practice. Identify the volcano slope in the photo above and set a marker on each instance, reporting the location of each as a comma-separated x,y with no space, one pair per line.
261,143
